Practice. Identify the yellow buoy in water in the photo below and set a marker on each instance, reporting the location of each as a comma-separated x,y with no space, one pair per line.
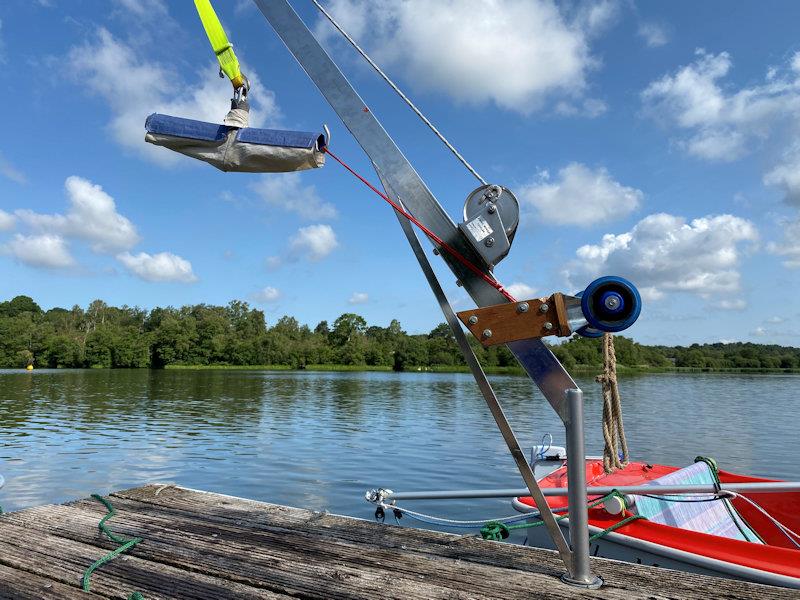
29,367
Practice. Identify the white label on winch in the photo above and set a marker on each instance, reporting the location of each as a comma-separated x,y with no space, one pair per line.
479,228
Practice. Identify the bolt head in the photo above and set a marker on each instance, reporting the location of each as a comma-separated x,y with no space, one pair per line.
522,307
491,209
489,242
612,302
436,251
548,326
544,308
487,333
473,319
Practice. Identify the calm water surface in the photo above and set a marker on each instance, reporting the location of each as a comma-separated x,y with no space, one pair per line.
319,440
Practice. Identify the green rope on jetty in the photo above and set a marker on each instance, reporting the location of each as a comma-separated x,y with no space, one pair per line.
125,545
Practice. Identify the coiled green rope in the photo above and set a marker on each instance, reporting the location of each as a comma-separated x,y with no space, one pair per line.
497,531
125,545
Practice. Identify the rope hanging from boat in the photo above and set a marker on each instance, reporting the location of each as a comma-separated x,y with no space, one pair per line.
400,93
615,452
439,241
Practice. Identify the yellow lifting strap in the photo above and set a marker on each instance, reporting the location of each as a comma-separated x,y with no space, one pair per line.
219,42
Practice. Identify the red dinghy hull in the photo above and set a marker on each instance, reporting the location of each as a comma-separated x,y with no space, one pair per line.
776,562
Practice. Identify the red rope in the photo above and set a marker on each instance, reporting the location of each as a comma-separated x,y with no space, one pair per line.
447,247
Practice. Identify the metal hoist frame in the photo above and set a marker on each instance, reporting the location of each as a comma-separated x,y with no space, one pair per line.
405,186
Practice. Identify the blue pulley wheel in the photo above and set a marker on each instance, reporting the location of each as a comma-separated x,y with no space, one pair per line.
609,304
588,332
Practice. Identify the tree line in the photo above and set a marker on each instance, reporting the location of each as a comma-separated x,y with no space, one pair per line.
103,336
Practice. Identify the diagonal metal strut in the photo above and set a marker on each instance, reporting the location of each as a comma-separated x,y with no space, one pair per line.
484,385
399,176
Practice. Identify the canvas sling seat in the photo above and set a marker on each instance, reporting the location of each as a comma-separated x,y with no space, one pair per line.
231,148
716,518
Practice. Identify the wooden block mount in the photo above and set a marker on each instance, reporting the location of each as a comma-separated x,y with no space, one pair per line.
503,323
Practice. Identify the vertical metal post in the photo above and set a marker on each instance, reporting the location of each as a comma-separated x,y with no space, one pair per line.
580,574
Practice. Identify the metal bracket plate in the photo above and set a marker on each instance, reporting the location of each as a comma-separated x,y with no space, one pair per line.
503,323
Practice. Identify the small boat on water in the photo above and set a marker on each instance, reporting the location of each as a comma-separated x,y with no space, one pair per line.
747,535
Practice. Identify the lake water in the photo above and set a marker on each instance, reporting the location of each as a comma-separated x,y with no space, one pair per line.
319,440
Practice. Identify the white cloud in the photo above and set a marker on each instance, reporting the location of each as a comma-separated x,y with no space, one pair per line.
285,191
7,221
653,34
163,266
776,320
786,176
243,6
267,295
588,107
273,262
594,17
515,53
144,8
580,196
358,298
92,216
8,170
790,247
759,332
723,124
521,291
735,304
133,88
44,251
314,243
663,253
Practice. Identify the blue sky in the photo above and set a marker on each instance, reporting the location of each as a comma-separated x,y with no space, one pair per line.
653,141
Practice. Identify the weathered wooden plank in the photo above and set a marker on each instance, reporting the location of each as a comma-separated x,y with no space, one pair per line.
37,553
22,585
201,545
304,571
623,579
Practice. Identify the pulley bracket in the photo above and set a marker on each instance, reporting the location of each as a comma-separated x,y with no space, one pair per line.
503,323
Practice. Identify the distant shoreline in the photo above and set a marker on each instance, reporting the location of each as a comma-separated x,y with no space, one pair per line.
238,336
583,370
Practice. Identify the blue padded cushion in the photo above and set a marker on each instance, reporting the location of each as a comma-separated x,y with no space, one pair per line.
212,132
187,128
275,137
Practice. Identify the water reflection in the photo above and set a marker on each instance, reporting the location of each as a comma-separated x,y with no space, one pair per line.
320,439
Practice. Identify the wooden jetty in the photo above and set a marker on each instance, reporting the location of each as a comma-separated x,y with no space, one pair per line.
203,545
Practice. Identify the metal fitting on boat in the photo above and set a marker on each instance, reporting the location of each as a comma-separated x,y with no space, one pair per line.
377,496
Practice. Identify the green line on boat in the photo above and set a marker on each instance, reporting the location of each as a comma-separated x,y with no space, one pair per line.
497,531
